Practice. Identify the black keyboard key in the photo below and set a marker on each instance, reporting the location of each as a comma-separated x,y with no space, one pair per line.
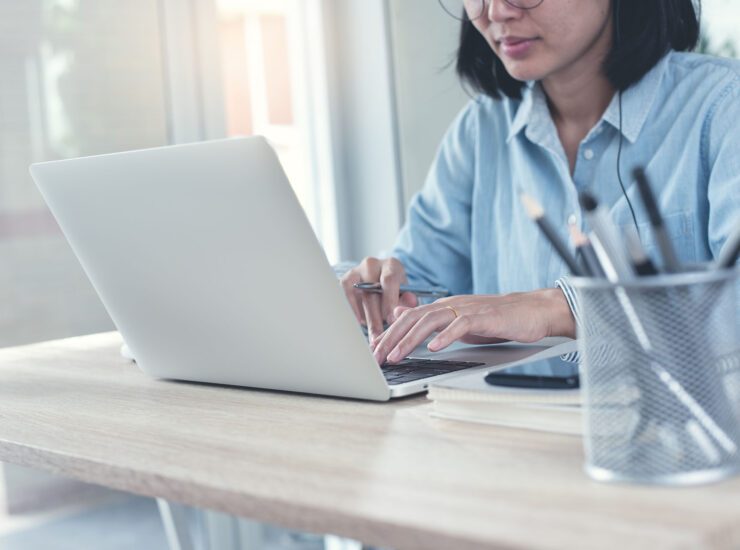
414,361
411,369
399,371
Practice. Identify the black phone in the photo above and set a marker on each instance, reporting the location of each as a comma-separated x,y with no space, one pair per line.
549,374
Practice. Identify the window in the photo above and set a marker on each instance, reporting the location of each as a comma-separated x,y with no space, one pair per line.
265,88
720,19
80,77
85,77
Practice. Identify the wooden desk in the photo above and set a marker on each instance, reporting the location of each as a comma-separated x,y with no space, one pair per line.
385,473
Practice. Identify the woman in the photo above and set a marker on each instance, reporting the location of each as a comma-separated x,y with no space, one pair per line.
573,95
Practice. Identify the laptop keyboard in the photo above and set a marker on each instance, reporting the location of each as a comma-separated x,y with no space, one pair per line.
410,370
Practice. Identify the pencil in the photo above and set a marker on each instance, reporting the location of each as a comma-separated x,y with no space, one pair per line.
730,251
583,245
618,269
537,213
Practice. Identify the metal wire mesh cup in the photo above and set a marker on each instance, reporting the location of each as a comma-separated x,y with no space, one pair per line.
660,374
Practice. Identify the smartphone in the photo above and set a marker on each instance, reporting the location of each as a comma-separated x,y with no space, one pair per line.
548,374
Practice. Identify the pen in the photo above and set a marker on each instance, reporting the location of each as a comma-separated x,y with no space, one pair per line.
618,270
666,249
640,260
583,245
730,251
431,292
537,213
607,245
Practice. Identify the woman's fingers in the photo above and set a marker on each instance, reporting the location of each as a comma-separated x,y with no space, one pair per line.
372,308
407,300
405,319
369,271
462,326
391,276
398,311
428,324
354,296
524,317
410,330
403,323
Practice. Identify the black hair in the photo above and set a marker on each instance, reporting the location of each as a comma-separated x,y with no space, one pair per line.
644,31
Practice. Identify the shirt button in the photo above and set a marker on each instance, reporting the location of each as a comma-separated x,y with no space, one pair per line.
588,154
572,219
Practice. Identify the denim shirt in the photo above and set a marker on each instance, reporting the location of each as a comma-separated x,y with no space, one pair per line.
467,231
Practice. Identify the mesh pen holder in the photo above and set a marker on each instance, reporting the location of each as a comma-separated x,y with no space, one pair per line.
660,374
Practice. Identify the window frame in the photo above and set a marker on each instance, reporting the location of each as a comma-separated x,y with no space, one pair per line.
195,95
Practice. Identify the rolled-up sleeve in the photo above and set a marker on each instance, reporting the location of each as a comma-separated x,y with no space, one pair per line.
571,296
434,244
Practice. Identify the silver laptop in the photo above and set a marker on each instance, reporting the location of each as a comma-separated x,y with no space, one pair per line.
209,268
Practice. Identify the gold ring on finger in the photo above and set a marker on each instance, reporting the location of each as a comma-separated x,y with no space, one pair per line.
453,310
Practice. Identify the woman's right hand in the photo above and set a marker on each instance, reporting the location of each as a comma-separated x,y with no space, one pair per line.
373,309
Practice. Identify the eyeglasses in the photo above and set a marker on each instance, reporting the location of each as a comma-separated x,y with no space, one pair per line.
476,8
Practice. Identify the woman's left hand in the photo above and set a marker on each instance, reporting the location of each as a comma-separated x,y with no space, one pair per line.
476,319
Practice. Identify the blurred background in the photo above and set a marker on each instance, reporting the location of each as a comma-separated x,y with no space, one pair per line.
354,95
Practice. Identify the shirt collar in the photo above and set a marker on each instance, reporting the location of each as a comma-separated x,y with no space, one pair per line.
524,112
637,101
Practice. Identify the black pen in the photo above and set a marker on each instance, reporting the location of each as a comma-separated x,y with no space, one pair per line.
672,264
537,213
640,261
432,292
618,270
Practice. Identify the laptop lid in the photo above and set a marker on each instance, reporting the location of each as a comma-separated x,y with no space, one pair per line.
210,269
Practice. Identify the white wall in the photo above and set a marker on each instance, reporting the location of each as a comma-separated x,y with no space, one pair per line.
394,93
428,96
367,169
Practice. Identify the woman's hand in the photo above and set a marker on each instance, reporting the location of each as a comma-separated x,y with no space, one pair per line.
524,317
372,309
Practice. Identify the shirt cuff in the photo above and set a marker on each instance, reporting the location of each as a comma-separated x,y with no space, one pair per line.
572,298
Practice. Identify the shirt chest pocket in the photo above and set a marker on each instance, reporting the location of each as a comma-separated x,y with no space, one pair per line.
681,232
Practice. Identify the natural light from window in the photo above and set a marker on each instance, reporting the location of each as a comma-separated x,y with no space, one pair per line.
265,86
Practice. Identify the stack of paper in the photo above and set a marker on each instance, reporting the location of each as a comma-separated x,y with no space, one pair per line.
469,398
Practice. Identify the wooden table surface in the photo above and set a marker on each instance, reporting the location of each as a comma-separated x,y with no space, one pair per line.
383,473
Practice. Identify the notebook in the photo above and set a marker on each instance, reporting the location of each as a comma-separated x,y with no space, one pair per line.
469,398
